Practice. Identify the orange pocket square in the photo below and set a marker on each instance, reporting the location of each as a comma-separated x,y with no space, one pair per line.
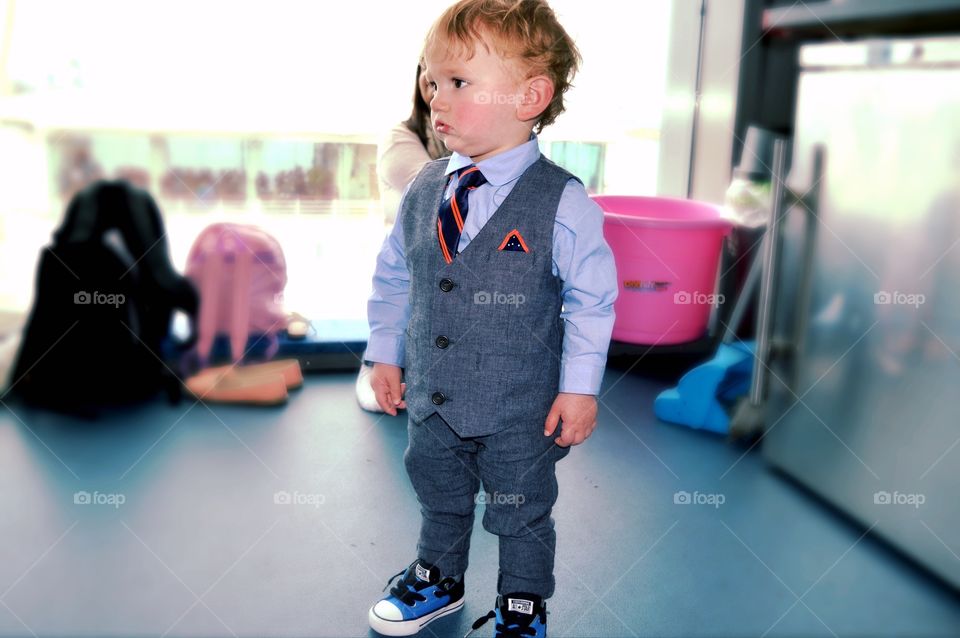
514,242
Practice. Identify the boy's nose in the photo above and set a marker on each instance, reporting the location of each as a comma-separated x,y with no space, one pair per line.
438,103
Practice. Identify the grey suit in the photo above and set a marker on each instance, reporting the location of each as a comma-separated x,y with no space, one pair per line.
483,348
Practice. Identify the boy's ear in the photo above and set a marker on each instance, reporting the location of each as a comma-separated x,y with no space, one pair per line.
536,96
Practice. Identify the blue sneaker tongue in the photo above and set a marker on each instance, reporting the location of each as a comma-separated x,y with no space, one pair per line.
425,574
422,573
519,609
520,606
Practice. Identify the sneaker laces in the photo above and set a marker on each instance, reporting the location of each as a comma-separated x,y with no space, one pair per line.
503,631
408,592
400,573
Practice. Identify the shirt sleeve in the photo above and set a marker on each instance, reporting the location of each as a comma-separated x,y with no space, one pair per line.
584,262
388,308
402,158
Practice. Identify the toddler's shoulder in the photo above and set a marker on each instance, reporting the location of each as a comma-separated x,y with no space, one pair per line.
433,170
577,211
558,170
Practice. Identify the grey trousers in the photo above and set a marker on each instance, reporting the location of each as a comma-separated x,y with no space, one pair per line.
516,469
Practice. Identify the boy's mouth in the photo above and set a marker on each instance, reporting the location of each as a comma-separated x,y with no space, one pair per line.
441,126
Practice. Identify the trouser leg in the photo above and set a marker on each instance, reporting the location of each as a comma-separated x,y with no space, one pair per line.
443,470
517,467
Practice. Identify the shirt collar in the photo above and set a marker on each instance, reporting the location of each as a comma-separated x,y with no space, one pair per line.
503,167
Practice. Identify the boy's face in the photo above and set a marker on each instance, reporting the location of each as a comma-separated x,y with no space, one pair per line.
474,105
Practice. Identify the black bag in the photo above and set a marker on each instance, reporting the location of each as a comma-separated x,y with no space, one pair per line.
103,304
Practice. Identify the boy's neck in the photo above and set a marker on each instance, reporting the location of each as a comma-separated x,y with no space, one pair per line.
531,138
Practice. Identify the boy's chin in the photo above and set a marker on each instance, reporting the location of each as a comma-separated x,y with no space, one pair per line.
454,146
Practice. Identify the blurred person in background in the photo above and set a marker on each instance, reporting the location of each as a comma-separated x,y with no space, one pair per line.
407,148
79,168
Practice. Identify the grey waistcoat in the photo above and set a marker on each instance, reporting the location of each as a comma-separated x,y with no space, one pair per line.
484,338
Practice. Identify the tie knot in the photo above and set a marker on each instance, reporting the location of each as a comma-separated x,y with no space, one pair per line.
470,177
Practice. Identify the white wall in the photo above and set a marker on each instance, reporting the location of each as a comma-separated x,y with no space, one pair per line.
709,130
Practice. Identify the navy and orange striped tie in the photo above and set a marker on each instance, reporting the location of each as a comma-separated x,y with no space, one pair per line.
453,212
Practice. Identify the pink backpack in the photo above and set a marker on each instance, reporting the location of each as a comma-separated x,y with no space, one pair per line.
240,272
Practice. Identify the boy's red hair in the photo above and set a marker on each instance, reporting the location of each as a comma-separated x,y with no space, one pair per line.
527,30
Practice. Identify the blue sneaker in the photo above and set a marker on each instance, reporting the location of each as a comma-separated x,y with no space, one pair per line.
518,615
419,598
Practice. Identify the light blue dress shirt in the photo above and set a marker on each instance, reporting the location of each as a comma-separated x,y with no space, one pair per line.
581,258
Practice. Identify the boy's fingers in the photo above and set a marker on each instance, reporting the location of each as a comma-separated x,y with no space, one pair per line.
382,401
553,419
386,404
382,394
572,435
395,395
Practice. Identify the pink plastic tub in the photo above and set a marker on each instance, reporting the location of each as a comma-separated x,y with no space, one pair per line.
667,253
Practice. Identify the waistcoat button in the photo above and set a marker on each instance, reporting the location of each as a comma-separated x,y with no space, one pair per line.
446,285
438,398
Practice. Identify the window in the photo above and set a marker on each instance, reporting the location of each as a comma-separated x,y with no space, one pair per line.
271,115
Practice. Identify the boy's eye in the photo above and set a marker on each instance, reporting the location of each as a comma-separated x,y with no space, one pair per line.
433,86
458,83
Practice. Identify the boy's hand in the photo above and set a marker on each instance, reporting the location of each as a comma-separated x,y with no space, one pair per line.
385,381
579,415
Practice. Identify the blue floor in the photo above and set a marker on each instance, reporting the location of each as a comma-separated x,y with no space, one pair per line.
200,547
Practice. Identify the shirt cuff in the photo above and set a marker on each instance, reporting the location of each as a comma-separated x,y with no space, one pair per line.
581,378
383,348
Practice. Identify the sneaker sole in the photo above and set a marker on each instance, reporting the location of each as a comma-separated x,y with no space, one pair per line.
409,627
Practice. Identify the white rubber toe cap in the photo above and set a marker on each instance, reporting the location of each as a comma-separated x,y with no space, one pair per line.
387,611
